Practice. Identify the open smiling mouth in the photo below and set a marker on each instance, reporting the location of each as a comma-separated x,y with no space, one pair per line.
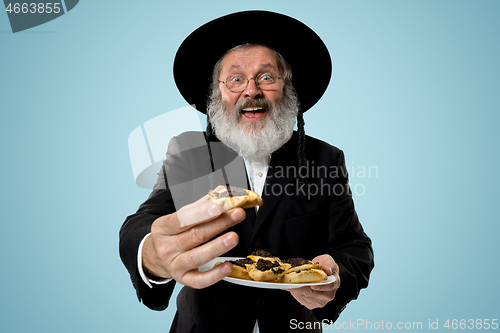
254,112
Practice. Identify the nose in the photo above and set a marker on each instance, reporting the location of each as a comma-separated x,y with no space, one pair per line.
252,90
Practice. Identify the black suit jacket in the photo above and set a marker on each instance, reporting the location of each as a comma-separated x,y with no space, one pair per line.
286,225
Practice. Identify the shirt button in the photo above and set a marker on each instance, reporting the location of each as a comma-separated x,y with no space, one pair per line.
260,174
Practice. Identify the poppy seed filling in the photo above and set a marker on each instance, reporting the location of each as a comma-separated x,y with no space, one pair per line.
235,192
264,265
262,253
242,262
294,262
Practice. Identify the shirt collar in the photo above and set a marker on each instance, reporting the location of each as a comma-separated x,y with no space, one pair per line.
260,160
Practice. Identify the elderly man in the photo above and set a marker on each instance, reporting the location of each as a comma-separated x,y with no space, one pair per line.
254,96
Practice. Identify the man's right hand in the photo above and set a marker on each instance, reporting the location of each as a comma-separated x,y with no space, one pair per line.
172,249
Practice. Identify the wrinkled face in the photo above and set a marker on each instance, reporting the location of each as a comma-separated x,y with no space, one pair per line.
254,122
249,103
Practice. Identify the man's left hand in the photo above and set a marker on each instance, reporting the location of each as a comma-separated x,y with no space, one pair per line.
314,297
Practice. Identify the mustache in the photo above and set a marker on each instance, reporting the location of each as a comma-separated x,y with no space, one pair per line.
261,103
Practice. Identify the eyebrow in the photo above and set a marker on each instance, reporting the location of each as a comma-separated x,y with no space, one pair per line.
262,67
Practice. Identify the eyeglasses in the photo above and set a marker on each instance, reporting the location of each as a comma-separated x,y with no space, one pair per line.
238,82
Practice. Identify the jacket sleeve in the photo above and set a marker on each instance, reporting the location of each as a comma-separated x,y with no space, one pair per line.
133,230
173,189
138,225
348,244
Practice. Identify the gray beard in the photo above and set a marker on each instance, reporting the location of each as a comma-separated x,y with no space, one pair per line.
256,139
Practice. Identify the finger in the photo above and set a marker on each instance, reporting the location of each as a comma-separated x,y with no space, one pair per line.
170,224
302,292
313,299
199,256
197,212
202,233
324,287
327,262
330,286
186,211
336,270
198,280
309,293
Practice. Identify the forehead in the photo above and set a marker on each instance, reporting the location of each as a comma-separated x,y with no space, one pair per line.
248,59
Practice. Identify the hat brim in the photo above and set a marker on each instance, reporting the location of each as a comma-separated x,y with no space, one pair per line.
301,47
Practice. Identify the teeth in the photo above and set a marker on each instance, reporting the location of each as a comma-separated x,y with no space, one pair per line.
252,109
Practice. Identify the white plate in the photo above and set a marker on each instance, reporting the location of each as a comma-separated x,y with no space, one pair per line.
258,284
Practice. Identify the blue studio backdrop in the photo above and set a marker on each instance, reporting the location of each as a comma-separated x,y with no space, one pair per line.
413,102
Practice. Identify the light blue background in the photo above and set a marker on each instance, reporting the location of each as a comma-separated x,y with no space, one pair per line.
414,93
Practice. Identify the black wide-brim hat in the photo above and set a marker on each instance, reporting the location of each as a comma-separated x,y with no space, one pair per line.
301,47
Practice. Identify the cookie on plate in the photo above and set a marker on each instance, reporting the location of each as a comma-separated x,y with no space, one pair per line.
299,264
304,276
268,271
261,254
240,268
